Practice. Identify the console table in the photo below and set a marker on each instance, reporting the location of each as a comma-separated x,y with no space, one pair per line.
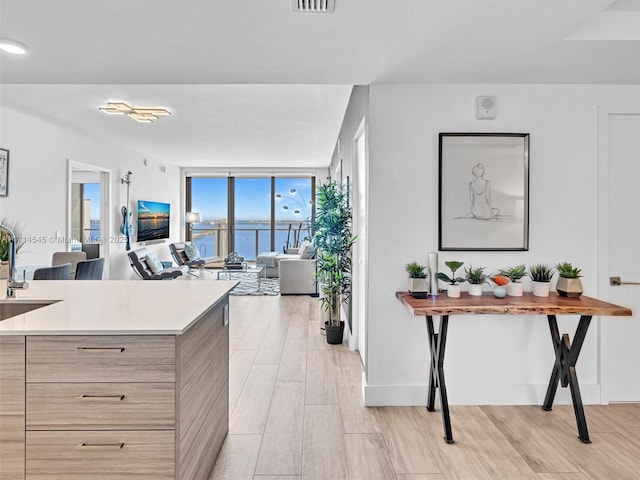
566,352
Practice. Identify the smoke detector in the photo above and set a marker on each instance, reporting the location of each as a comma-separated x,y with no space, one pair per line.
313,6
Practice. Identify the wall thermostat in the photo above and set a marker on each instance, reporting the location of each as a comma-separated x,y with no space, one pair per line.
485,108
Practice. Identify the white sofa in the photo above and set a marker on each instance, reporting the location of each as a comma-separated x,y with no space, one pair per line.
296,269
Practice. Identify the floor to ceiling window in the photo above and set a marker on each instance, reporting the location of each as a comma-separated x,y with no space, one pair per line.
210,198
293,212
249,215
252,216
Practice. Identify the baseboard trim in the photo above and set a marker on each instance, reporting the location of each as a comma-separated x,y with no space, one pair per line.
530,394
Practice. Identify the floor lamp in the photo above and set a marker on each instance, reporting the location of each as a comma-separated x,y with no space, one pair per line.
190,218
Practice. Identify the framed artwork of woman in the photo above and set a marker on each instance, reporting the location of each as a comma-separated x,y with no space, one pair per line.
484,191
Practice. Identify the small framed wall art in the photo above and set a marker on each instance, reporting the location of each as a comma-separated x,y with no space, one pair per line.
484,191
4,172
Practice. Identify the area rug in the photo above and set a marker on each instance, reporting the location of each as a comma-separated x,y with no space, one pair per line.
249,284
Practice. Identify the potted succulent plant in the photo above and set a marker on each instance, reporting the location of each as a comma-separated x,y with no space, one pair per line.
476,277
569,284
501,281
333,241
417,278
514,274
540,275
454,288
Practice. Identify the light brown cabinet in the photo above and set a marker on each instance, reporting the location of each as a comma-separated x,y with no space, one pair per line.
117,406
101,406
102,358
75,455
12,407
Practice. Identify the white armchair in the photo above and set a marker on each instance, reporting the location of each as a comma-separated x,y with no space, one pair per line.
297,276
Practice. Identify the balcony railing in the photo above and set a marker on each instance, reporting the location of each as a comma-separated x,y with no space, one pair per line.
248,242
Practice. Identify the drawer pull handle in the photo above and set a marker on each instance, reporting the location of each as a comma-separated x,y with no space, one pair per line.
100,398
100,446
101,349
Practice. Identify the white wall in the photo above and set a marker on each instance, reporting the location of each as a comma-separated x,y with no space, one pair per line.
490,359
344,155
357,109
39,150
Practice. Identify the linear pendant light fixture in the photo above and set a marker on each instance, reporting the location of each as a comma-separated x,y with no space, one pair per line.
139,114
12,46
313,6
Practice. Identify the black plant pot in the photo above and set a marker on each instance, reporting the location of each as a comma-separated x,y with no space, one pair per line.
334,334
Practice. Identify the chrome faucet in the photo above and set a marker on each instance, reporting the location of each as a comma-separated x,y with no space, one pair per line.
12,283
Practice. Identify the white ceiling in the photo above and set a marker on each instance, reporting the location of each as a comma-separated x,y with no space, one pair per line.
210,125
187,55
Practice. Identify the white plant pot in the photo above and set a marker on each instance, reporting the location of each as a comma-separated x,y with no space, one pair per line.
541,289
418,285
515,289
4,269
475,290
453,291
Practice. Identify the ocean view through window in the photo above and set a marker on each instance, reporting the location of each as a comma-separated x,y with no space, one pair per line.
268,214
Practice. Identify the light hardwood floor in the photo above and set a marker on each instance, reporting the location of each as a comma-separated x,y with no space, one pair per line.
296,413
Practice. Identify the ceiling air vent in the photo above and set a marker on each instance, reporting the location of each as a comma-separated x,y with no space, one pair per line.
313,6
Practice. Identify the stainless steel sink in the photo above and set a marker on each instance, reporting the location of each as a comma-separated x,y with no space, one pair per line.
12,307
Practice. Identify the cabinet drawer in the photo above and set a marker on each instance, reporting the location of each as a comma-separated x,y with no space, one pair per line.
98,406
115,358
114,455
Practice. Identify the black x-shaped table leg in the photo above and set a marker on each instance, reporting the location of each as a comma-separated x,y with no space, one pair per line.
437,343
564,369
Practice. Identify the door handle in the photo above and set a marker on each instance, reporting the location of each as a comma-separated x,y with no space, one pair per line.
615,281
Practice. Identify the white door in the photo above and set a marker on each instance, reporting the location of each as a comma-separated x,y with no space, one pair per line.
619,230
360,250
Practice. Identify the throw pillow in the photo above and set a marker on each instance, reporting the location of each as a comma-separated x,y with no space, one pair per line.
191,251
154,263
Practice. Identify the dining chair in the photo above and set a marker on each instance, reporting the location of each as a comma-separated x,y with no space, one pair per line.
60,272
60,258
90,269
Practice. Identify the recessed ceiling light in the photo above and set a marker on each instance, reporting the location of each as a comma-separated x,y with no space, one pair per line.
139,114
313,6
12,46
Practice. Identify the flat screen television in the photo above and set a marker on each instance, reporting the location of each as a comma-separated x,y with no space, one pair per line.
153,220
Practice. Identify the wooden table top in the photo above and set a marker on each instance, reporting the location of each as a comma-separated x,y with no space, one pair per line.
554,304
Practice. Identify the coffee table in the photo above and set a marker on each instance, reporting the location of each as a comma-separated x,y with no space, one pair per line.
258,270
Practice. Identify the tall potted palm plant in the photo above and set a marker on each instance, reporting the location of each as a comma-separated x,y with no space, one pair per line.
333,241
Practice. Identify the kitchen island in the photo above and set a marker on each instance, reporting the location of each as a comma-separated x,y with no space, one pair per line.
114,380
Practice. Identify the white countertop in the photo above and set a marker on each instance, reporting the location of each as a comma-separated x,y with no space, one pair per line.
114,307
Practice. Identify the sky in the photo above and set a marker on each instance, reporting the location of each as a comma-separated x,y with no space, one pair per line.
253,198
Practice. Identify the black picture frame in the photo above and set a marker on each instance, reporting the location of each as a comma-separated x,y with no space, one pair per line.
478,213
4,172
